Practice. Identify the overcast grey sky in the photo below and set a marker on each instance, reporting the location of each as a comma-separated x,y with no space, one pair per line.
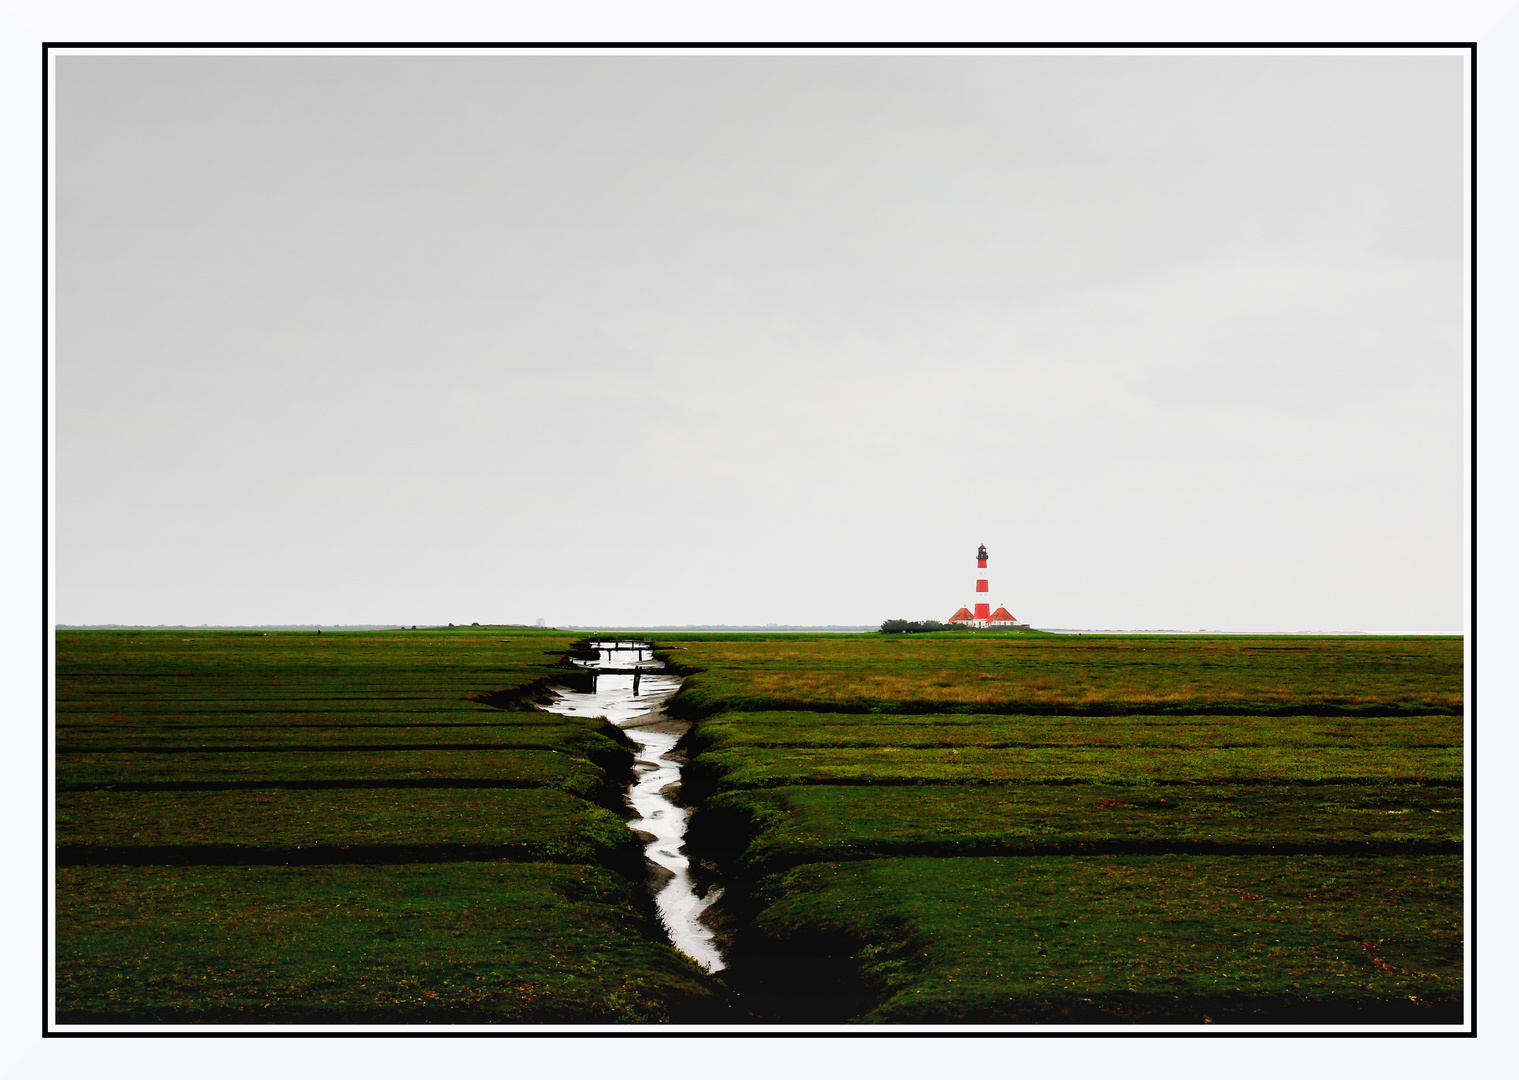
761,339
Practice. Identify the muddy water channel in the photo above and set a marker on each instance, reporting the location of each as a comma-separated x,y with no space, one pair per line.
630,694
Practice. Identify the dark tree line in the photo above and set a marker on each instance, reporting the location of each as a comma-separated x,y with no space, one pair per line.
902,626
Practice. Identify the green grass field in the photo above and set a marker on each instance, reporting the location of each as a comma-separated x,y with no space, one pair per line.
759,767
463,942
539,825
347,827
946,828
1032,672
1008,828
825,730
485,768
761,832
1113,939
446,732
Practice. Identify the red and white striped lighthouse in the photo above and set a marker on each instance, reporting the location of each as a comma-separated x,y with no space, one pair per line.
983,611
983,614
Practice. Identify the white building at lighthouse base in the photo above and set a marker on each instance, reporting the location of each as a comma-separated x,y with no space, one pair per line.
1000,619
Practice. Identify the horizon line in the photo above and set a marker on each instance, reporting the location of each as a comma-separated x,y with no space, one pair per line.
756,627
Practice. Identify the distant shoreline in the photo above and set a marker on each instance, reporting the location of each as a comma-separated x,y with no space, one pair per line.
263,626
730,629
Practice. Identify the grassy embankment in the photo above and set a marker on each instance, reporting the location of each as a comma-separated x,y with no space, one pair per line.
346,827
1015,827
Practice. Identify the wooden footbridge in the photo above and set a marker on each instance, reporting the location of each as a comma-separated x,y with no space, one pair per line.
623,646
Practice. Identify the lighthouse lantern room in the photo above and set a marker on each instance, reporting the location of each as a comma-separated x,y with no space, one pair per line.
983,615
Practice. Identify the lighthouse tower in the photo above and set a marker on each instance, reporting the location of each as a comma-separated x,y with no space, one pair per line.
983,611
983,615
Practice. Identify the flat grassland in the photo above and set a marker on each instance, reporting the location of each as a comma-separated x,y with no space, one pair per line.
943,828
1017,827
1068,674
346,827
460,942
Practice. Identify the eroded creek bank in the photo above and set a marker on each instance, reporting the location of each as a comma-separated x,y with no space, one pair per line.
796,979
629,688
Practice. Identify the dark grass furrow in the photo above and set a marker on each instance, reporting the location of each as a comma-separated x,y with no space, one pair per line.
552,822
198,765
335,748
752,768
706,701
461,783
628,861
836,731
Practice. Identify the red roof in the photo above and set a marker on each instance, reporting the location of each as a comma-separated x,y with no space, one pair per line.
961,616
1001,615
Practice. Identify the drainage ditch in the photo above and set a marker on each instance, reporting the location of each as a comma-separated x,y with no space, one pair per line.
629,687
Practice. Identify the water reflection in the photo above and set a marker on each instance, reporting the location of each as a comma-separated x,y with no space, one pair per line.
632,701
